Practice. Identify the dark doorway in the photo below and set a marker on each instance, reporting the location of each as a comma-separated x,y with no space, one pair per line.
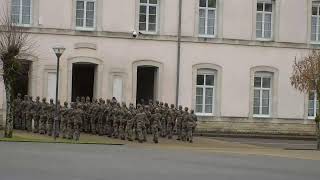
21,84
145,83
82,80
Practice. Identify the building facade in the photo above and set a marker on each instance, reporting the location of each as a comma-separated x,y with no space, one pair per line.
230,60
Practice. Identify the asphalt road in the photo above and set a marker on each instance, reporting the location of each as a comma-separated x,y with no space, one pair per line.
274,143
28,161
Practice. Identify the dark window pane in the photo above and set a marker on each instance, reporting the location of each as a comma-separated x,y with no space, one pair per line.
260,7
212,3
152,27
143,1
210,80
200,80
153,1
268,7
142,26
314,10
203,3
143,10
266,83
142,18
257,82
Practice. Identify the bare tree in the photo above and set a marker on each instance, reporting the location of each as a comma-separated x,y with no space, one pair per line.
14,41
306,78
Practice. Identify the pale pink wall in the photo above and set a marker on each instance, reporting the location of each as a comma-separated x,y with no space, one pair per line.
237,19
293,23
56,14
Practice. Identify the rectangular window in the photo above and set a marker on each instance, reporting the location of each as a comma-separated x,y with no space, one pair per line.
148,15
264,19
207,17
51,86
262,94
315,21
313,105
85,14
21,12
117,88
205,94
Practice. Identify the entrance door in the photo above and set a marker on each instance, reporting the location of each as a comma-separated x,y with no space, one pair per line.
83,76
146,79
21,84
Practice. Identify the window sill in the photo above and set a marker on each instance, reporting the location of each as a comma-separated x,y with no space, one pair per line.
206,36
23,25
311,118
148,33
264,39
262,116
204,115
315,42
85,29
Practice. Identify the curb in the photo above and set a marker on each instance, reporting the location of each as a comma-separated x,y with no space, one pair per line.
263,136
47,142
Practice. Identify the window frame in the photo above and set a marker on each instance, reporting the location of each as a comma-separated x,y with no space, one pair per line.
147,17
315,104
317,40
261,89
20,15
206,35
206,72
84,27
263,12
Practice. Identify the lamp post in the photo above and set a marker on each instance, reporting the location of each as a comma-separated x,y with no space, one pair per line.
58,51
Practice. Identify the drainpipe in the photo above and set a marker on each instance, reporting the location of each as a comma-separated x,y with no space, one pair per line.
178,53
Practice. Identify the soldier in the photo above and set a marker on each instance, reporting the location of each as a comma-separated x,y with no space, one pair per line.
50,114
184,123
171,118
94,118
179,115
192,124
148,125
43,116
130,122
77,114
109,119
156,124
57,118
64,120
115,120
24,112
29,113
123,121
70,125
36,116
17,112
164,112
101,118
141,119
86,117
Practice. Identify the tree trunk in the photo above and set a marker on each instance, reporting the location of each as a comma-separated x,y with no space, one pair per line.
9,115
317,123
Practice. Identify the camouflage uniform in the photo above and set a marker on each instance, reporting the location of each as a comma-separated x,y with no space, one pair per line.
123,122
43,117
77,120
101,118
130,122
116,121
64,120
24,105
156,124
70,125
191,125
50,114
86,115
17,112
94,118
185,118
179,115
148,125
171,117
36,116
141,119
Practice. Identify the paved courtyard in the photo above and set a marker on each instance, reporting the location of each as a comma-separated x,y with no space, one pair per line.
31,161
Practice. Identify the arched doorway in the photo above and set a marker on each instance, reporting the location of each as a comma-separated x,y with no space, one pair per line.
146,83
22,80
83,80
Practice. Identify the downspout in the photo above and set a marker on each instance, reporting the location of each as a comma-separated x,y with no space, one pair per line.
178,53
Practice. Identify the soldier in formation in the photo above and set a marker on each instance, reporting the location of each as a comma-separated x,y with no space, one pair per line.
101,117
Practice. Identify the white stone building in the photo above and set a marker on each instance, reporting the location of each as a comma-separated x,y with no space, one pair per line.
231,61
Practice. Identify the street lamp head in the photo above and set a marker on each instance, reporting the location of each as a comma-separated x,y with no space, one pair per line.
58,50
